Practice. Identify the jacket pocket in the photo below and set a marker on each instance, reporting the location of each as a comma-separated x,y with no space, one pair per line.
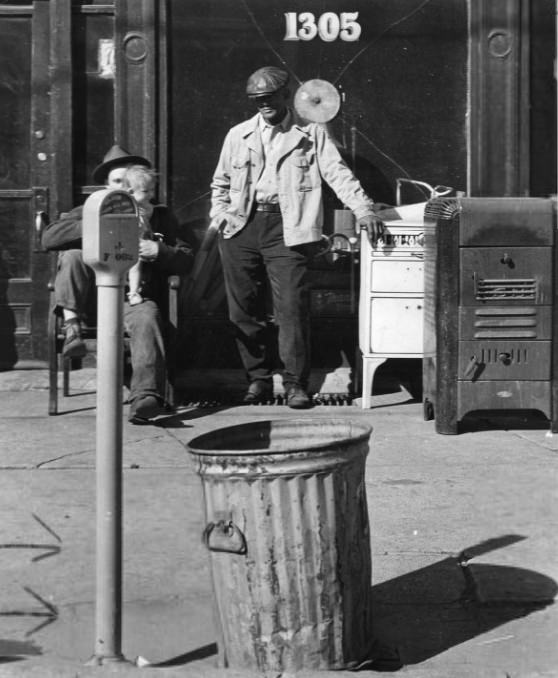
302,172
240,168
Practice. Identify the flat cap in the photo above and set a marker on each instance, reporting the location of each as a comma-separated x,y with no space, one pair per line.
266,80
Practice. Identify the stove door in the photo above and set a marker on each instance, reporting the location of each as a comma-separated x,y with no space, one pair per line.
505,275
504,360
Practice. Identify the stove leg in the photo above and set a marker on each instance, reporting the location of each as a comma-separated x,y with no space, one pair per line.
369,367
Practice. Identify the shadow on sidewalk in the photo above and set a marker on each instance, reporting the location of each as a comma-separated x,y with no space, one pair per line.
419,614
430,610
177,419
195,655
503,420
16,650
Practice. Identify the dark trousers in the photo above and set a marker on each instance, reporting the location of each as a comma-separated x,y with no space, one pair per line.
73,288
253,257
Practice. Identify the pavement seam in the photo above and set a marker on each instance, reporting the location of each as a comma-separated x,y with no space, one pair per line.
537,443
170,434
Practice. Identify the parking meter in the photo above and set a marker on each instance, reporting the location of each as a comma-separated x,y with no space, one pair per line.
110,234
110,247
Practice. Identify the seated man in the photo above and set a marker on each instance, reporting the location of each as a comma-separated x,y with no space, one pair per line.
75,282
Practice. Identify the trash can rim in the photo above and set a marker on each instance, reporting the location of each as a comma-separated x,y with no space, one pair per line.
362,432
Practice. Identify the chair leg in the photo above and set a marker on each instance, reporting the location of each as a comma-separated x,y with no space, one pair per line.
170,371
53,385
169,394
172,329
67,366
52,366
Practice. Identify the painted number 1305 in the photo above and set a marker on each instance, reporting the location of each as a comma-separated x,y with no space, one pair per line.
328,26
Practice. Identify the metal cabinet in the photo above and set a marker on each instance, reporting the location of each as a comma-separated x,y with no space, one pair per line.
391,299
490,308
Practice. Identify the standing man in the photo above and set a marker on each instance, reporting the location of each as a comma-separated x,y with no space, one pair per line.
161,256
267,196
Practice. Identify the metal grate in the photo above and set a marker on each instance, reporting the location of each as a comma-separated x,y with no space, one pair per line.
213,400
506,289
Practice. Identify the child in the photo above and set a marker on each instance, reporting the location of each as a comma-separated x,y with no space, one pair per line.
139,181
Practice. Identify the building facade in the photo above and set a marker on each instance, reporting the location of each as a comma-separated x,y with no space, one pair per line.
454,92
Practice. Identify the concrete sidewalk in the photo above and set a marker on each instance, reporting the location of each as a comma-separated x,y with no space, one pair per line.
464,539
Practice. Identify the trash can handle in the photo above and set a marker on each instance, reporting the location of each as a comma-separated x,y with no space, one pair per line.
224,536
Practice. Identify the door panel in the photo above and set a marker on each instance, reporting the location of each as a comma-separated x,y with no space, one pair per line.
23,268
75,78
397,275
93,92
396,325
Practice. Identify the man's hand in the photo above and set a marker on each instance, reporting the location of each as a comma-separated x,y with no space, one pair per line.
148,250
373,225
232,221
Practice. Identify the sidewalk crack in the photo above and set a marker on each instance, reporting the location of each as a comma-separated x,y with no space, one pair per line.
62,456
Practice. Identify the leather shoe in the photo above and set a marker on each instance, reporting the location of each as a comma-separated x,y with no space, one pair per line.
297,398
143,409
258,392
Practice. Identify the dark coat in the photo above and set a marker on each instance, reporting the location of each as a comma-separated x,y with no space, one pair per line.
175,257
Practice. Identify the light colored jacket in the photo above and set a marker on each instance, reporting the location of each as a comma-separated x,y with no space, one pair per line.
307,156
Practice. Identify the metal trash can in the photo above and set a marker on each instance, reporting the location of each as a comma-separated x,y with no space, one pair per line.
289,543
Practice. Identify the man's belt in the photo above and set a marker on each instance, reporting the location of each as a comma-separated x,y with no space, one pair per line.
268,207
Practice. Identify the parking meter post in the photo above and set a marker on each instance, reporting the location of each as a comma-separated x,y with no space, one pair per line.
110,247
108,634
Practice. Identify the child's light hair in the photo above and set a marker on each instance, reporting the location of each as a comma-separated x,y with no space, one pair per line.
138,177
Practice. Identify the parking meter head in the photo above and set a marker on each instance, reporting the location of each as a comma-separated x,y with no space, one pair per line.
110,234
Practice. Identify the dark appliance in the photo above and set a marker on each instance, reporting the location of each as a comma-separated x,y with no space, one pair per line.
490,306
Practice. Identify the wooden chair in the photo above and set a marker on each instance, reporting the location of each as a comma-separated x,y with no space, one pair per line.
58,362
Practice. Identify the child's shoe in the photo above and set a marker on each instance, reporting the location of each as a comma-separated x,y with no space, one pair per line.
134,298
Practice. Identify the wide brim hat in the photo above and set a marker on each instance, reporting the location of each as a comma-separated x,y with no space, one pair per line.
116,157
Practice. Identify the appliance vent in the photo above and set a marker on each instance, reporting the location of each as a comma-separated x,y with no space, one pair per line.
499,323
516,356
506,289
441,208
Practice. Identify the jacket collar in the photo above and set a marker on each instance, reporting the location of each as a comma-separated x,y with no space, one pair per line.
297,130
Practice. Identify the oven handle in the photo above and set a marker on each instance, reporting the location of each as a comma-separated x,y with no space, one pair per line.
471,368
